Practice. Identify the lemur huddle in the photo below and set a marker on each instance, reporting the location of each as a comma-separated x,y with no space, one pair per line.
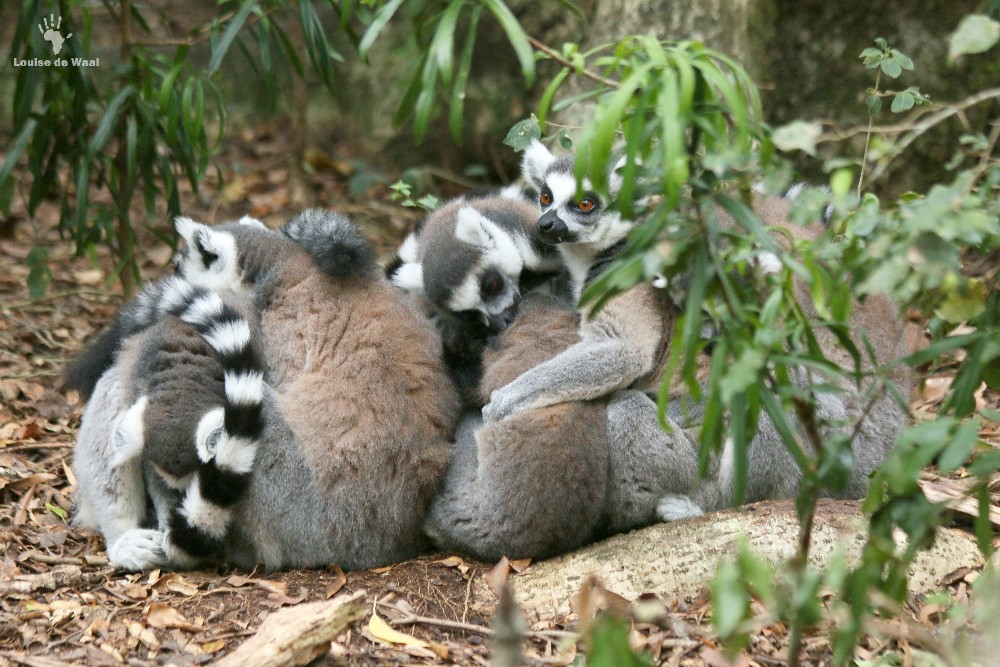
281,400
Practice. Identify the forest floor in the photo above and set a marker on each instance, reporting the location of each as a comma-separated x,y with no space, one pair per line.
60,601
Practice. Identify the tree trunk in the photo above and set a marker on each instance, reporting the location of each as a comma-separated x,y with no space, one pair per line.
680,559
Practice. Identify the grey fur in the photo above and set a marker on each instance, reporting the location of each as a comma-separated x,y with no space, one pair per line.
336,245
532,485
357,417
471,261
625,345
181,377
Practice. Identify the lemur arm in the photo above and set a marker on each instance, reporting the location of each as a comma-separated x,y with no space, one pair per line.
619,345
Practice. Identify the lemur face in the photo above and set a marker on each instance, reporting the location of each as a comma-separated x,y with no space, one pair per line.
467,263
210,257
489,289
569,214
566,216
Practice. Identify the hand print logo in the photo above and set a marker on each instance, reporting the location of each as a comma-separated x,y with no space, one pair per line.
49,27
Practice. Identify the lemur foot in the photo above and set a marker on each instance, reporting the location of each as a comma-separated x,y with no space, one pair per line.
676,507
138,549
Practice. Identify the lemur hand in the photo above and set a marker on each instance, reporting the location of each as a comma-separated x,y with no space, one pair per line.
503,403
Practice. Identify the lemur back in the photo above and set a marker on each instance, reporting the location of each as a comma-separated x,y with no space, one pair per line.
359,412
360,418
532,485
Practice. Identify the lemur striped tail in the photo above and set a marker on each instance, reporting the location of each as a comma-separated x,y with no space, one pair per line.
227,437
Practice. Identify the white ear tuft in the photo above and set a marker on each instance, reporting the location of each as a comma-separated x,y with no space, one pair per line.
473,228
247,220
410,277
186,228
535,163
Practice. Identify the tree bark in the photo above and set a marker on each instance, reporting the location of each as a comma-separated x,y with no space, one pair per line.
680,559
298,635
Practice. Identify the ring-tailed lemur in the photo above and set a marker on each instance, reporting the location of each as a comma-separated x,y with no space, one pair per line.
356,413
626,345
549,480
193,418
532,485
202,262
473,259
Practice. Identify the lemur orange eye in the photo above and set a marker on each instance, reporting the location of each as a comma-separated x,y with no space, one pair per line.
492,284
586,205
545,198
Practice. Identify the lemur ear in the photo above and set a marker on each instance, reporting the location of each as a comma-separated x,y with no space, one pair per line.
253,222
474,229
535,163
197,240
409,276
205,251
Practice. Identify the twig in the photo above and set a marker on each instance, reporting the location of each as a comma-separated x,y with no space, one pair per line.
203,36
901,128
555,55
36,445
71,577
868,138
48,559
930,121
468,595
55,296
414,619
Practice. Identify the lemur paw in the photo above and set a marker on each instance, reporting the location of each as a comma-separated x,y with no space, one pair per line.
676,507
138,549
501,405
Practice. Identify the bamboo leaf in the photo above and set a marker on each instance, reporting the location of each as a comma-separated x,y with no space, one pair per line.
516,36
109,120
462,78
232,30
382,17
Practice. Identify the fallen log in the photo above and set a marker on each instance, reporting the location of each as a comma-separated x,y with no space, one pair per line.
298,635
680,558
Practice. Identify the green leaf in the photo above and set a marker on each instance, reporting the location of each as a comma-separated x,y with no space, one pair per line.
960,448
742,373
110,119
232,30
39,274
167,87
797,135
462,78
902,59
841,180
609,645
521,135
382,17
874,103
729,600
891,68
975,34
516,36
55,509
902,102
961,305
16,148
443,44
545,102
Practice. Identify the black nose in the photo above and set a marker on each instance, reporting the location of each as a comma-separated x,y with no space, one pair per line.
500,321
551,228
